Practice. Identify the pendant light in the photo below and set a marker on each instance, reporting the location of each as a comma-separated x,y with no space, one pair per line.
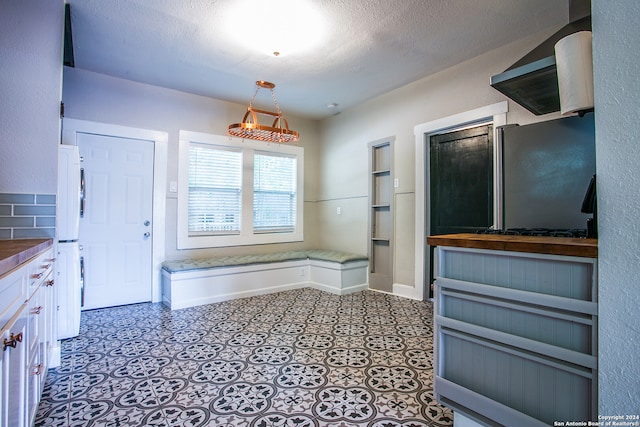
250,128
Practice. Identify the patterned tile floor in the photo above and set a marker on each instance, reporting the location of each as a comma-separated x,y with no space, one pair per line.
296,358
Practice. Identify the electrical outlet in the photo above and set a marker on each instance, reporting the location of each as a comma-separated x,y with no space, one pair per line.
396,183
301,271
338,210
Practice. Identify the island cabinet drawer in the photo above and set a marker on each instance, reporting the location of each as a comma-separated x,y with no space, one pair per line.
556,275
556,324
511,386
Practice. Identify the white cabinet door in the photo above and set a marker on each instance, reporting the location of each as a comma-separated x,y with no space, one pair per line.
14,361
34,368
47,328
26,337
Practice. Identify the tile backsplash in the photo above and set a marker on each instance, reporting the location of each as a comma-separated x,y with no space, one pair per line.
24,216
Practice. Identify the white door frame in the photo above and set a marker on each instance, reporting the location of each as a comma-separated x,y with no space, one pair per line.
71,127
496,114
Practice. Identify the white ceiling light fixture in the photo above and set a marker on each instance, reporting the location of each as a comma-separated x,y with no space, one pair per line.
276,27
250,128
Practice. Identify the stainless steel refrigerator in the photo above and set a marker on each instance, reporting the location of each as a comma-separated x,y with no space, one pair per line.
69,262
546,171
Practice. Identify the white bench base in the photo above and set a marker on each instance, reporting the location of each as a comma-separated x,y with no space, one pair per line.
190,288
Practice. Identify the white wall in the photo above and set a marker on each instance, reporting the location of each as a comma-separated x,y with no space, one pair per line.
30,70
100,98
31,39
616,60
344,165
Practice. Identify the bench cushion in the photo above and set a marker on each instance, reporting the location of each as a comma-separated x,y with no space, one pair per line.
334,256
235,260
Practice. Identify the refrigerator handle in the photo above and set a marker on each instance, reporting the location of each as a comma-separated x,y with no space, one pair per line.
498,184
81,281
82,192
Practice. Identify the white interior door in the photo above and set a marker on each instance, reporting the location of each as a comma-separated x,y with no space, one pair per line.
115,230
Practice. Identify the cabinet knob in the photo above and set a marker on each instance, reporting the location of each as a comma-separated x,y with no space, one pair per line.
37,370
49,282
13,340
36,310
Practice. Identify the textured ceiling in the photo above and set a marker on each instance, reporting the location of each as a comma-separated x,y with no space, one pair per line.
370,46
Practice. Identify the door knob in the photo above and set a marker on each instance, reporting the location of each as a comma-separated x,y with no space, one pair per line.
147,223
146,235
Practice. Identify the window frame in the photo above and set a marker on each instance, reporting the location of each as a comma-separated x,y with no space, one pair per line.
247,235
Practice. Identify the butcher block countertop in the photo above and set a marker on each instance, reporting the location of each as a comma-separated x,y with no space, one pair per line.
534,244
15,252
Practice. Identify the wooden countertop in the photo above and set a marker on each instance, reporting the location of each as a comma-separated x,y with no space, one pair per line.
535,244
15,252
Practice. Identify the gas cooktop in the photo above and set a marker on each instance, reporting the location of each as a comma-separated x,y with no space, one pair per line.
551,232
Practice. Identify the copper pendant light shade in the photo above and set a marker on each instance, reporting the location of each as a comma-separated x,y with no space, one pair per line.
250,128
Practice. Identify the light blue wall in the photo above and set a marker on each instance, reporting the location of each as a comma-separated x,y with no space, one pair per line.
616,60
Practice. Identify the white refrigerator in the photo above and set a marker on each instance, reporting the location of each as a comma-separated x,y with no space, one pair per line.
69,262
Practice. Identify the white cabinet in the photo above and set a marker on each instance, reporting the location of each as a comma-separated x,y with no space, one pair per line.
14,361
27,336
516,336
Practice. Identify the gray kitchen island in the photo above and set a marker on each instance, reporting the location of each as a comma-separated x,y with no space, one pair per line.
516,328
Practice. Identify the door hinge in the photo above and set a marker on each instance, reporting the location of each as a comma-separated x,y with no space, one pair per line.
61,109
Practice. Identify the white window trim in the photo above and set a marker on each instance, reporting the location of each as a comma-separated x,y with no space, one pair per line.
246,236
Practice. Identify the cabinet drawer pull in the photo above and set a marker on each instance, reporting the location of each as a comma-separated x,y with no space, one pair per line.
36,275
50,260
46,266
37,370
49,282
13,340
36,310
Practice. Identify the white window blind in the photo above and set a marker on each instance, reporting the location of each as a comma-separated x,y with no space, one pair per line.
274,193
215,190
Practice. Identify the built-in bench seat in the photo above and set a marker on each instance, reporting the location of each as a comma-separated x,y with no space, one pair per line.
191,282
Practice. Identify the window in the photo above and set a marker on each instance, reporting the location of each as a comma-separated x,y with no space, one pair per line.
215,190
234,192
274,193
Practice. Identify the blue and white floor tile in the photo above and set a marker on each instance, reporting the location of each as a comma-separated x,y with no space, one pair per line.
302,358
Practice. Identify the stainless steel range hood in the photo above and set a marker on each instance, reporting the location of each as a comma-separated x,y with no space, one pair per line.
532,81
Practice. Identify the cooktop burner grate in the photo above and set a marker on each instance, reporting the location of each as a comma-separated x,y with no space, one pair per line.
551,232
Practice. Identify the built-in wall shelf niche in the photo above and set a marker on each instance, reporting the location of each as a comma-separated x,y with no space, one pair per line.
381,215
